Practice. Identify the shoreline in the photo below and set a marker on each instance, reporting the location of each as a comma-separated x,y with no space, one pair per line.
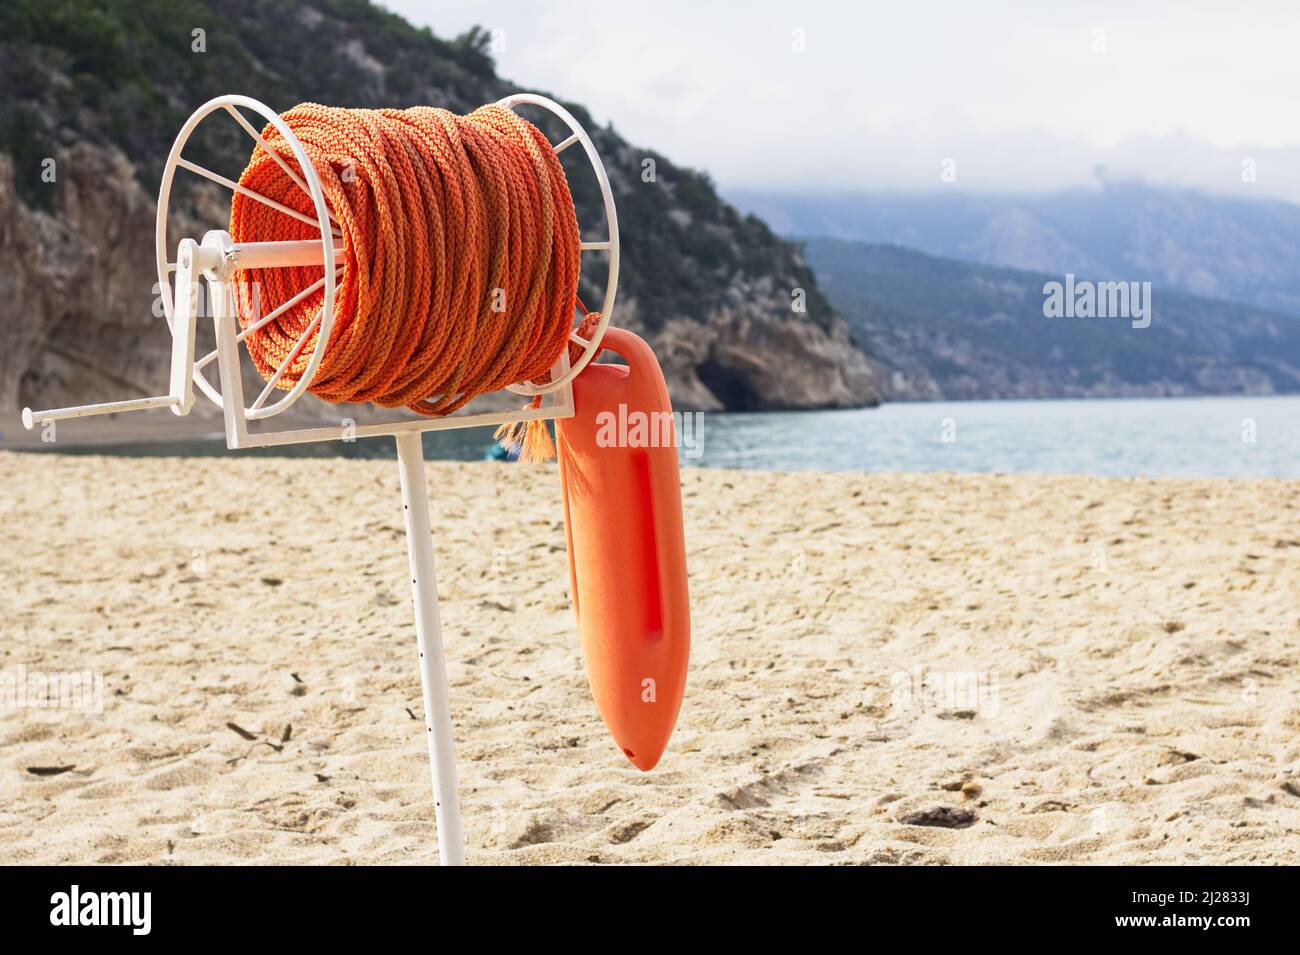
1238,438
112,430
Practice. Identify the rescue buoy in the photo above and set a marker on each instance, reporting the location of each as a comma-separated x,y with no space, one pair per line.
627,550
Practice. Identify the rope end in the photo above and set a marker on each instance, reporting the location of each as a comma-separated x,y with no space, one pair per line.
538,446
532,440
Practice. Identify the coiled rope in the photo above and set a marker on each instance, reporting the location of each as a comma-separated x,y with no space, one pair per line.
461,264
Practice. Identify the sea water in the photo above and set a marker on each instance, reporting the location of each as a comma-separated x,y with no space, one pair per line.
1154,437
1201,437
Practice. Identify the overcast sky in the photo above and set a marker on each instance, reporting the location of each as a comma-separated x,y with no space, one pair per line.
1021,95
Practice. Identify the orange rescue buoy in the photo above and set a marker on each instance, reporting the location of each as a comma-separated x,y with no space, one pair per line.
627,551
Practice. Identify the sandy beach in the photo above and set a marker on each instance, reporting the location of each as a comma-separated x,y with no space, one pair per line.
886,669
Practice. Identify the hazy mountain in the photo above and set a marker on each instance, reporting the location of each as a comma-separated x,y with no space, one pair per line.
1234,249
102,88
949,329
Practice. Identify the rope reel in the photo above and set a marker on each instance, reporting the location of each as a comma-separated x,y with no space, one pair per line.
461,265
410,258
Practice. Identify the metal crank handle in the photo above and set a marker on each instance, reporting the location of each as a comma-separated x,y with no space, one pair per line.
191,259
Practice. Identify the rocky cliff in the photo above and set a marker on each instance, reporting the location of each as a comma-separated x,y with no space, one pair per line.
91,96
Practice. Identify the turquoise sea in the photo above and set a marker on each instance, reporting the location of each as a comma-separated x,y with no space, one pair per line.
1201,437
1229,437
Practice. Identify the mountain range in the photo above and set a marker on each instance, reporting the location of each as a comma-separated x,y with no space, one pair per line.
1239,250
944,328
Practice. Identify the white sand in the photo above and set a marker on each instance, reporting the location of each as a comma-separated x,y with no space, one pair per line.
1136,643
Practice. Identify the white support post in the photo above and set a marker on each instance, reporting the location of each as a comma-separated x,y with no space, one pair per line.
428,633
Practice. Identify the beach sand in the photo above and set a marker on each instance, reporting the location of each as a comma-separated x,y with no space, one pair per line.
885,669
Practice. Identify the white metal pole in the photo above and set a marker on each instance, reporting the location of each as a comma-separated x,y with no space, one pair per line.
428,632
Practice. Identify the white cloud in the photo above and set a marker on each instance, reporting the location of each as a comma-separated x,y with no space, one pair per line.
1015,92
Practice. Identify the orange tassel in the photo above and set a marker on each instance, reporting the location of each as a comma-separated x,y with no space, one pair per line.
532,439
538,446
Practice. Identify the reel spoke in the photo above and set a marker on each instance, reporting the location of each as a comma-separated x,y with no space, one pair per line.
284,365
297,180
268,318
566,144
245,191
594,246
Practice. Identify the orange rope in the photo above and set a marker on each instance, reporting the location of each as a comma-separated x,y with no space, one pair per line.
462,255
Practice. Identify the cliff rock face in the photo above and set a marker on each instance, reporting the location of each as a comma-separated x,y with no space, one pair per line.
75,287
102,89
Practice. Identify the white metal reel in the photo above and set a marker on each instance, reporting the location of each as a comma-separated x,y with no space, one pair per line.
217,258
